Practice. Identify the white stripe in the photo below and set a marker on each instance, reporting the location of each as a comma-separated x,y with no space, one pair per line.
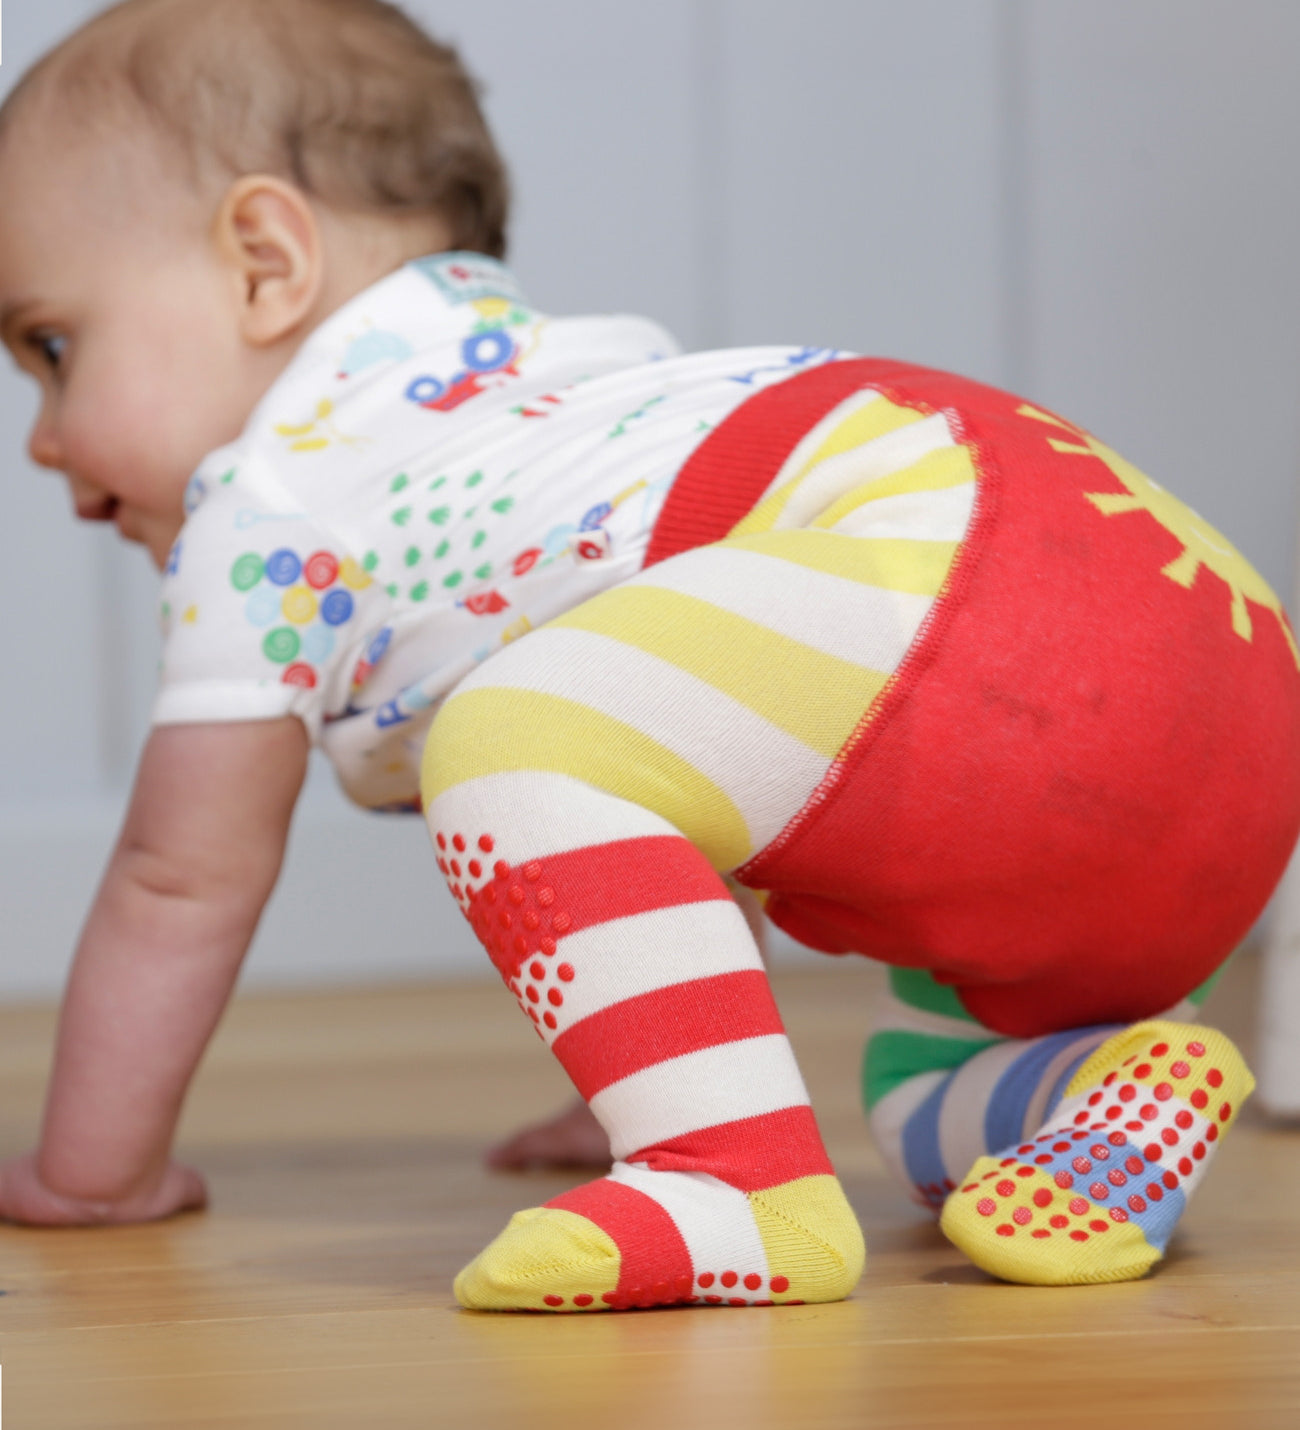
893,1015
870,626
942,515
1037,1109
891,1114
532,814
746,1078
715,1220
813,439
880,457
1150,1133
961,1114
765,772
627,957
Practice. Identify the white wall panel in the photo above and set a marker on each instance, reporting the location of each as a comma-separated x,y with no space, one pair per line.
1163,232
595,106
858,202
50,740
1096,203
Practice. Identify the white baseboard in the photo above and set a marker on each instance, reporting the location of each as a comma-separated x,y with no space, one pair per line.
360,901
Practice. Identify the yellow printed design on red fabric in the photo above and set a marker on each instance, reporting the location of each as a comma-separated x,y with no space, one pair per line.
1202,544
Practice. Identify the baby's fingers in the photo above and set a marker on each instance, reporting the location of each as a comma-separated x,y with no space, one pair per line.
180,1189
183,1190
25,1199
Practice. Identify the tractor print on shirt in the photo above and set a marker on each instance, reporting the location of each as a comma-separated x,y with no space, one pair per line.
487,355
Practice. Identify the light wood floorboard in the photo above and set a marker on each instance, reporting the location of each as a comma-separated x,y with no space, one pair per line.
342,1134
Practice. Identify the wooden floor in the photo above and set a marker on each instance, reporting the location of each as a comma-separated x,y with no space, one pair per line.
342,1135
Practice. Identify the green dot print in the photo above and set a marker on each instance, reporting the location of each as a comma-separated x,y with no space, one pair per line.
412,555
370,560
479,538
440,514
401,516
473,479
503,505
468,513
398,482
246,572
391,588
453,580
484,571
228,477
281,645
442,549
436,483
420,591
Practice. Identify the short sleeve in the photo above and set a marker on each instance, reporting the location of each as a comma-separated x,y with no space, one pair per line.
263,611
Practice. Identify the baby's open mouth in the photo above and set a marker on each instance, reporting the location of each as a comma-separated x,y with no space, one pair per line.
101,509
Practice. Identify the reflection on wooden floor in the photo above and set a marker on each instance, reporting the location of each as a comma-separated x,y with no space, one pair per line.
342,1135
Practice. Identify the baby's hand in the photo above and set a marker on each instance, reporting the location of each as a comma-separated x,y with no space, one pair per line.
25,1198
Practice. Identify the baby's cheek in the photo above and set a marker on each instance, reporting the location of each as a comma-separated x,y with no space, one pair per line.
140,432
91,443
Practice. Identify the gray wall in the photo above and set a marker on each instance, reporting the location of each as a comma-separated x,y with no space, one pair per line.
1095,203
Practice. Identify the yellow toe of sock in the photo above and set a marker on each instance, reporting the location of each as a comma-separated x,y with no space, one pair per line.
546,1259
1026,1230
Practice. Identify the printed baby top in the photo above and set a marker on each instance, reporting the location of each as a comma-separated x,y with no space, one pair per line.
439,470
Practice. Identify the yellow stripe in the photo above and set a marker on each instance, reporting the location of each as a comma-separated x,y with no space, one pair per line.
919,568
863,425
815,697
532,731
948,467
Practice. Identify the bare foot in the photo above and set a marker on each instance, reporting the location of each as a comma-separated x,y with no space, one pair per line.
573,1138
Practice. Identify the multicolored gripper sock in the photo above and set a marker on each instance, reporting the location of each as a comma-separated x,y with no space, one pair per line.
1095,1194
941,1089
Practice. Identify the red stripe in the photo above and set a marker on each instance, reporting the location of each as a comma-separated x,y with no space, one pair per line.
682,1018
527,909
654,1264
750,1155
728,472
631,876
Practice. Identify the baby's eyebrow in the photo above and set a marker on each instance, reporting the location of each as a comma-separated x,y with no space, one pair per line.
10,314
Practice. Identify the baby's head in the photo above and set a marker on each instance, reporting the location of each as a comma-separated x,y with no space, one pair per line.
187,188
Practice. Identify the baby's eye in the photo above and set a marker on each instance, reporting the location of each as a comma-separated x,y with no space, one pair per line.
50,346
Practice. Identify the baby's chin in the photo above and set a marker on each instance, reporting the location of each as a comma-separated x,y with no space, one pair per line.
157,537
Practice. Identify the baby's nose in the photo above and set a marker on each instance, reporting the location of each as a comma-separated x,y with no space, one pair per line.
44,447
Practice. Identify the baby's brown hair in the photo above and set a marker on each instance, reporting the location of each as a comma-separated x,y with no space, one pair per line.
348,99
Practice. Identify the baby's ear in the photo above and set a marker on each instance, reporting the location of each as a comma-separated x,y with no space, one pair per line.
267,234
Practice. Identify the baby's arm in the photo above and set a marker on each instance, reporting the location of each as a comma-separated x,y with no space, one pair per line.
197,858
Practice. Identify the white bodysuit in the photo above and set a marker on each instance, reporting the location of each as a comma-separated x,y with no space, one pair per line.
439,470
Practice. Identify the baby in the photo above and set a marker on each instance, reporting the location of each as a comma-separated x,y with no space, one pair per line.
936,672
